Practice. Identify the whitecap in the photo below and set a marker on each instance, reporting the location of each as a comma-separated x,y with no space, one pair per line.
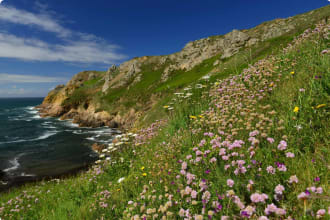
14,164
91,138
36,117
44,136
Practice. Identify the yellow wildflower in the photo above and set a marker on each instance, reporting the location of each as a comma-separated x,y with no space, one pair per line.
271,84
320,106
142,168
296,109
166,106
192,117
201,116
144,174
292,73
118,190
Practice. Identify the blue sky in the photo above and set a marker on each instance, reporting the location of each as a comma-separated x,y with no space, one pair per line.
44,43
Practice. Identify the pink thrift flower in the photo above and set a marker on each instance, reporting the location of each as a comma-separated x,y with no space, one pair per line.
198,153
271,208
213,160
270,140
256,197
263,218
184,165
319,190
289,155
282,145
320,213
281,167
270,170
187,190
293,179
303,196
193,194
280,211
230,182
254,133
279,189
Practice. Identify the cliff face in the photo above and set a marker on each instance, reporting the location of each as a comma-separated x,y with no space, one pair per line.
119,95
84,113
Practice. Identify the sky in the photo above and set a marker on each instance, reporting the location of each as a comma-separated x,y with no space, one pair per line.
43,43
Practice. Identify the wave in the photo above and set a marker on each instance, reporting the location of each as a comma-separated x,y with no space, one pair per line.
36,117
44,136
14,164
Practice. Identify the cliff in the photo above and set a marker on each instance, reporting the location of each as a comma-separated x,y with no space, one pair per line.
120,95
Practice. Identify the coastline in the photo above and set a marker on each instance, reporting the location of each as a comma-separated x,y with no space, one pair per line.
9,182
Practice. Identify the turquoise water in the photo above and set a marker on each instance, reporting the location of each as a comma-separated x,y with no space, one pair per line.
31,146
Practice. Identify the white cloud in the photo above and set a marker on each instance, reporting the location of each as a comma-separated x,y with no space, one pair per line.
42,21
79,51
1,1
76,46
15,78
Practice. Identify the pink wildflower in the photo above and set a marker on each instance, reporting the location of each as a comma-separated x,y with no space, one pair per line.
184,165
230,182
263,218
280,211
279,189
319,190
193,194
271,208
282,145
289,155
213,160
303,196
270,140
270,170
256,197
293,179
320,213
281,167
254,133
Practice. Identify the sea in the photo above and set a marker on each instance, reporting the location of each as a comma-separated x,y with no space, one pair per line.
32,147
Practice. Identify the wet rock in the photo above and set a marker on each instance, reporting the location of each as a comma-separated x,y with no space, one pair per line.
98,147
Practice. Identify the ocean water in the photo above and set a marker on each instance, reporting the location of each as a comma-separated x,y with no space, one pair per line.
31,146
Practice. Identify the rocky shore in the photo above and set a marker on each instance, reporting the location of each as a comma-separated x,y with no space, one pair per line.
84,118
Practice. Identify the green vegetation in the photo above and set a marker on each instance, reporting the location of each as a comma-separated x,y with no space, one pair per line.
272,119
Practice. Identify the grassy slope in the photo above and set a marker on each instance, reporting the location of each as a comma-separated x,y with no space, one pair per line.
138,96
97,193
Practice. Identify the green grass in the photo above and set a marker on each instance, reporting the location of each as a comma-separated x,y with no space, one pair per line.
81,197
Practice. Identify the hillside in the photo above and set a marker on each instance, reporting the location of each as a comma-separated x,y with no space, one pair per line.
119,96
239,137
